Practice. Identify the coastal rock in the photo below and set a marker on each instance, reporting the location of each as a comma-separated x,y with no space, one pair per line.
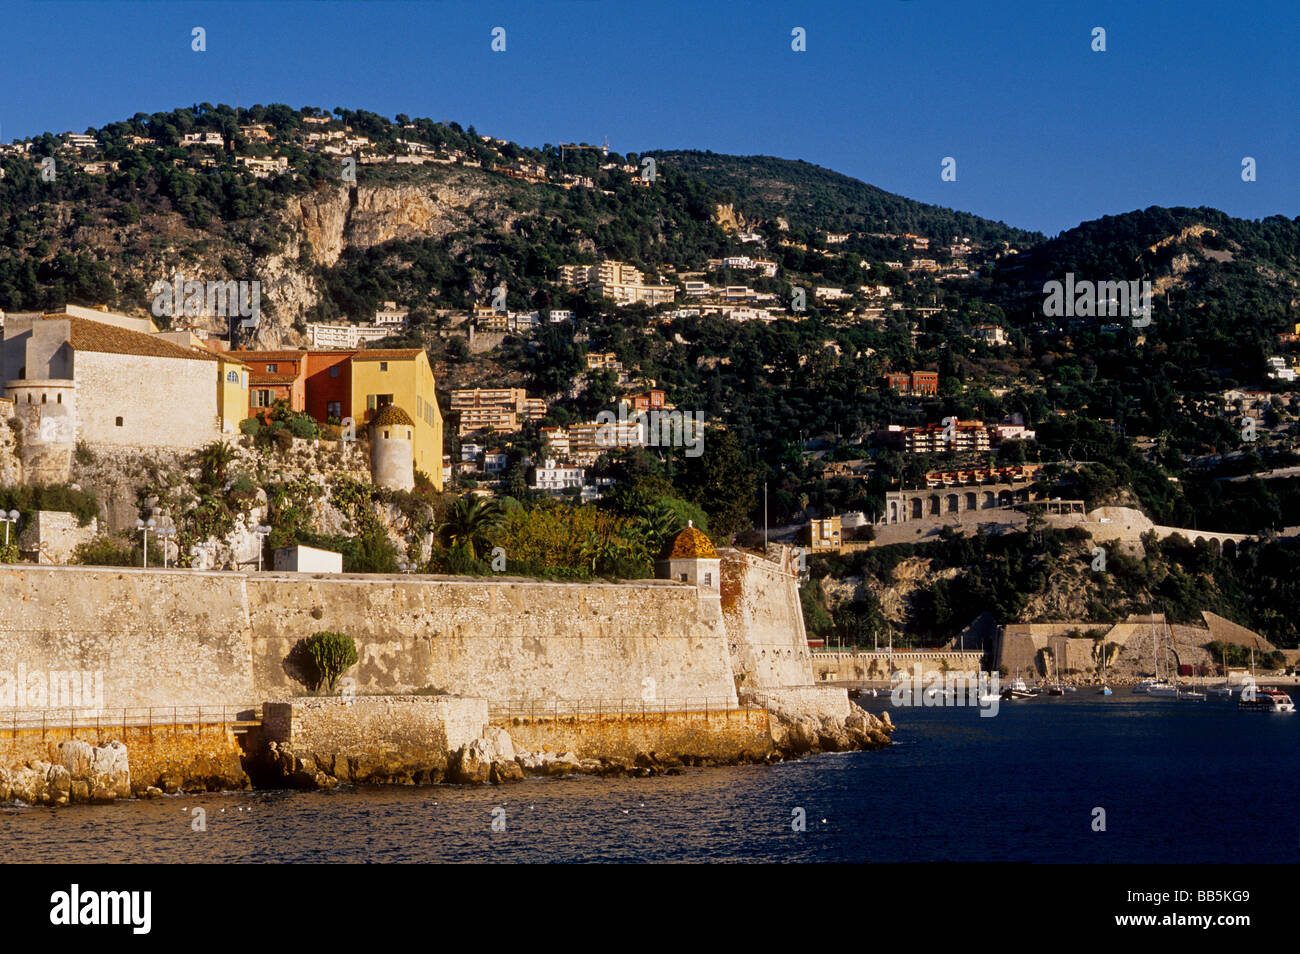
110,770
471,764
27,782
803,735
58,785
500,746
503,773
76,756
566,763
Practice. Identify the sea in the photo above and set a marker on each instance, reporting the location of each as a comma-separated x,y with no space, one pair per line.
1079,778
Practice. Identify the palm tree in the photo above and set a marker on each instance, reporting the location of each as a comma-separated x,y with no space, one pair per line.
214,461
469,523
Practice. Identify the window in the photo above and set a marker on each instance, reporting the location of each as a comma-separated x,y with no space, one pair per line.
708,579
118,422
384,399
683,577
45,398
334,371
271,368
58,398
262,398
232,377
385,435
383,365
334,409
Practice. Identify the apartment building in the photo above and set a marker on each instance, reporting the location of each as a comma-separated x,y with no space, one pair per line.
504,410
957,437
321,335
618,282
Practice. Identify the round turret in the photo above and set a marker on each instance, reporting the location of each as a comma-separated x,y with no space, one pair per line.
392,448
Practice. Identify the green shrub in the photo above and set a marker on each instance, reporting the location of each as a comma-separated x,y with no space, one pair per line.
332,654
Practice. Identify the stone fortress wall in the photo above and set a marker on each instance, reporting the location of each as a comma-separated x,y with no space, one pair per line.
183,637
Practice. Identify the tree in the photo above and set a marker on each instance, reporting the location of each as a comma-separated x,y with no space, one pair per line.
720,482
332,654
469,522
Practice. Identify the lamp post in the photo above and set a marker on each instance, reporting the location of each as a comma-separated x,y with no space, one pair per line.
8,518
166,533
144,526
404,566
261,530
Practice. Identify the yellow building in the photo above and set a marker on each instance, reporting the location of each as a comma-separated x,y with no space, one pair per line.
232,391
401,376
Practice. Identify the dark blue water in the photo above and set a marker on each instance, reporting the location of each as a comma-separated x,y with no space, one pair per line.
1179,782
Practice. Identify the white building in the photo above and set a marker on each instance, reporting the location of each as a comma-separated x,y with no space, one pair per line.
346,337
304,559
554,477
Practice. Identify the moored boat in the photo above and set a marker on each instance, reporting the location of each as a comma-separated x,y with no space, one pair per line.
1266,699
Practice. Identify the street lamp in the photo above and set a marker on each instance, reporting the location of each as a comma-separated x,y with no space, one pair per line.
261,530
8,518
166,533
144,526
405,566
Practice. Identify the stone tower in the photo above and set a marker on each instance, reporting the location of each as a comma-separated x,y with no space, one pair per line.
690,558
392,449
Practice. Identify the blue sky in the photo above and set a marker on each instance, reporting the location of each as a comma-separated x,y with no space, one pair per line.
1045,131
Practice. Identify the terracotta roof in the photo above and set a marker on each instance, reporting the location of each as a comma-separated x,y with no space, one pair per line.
375,354
692,544
269,355
87,335
262,377
391,414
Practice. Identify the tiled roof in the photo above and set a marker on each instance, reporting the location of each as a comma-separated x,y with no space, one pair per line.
375,354
692,544
261,377
391,414
87,335
269,355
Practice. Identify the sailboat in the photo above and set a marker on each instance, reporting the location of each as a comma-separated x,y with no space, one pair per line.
1105,689
1161,687
1191,692
1056,689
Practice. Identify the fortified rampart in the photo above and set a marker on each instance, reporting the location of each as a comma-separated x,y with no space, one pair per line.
880,666
764,620
183,637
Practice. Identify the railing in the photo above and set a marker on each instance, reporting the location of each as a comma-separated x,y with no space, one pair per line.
601,708
139,717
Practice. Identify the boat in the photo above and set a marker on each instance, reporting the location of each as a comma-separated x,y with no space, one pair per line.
1104,691
1017,690
1070,688
1056,690
1157,685
1267,699
1190,693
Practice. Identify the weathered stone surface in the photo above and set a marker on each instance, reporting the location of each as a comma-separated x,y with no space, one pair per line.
471,764
58,785
506,772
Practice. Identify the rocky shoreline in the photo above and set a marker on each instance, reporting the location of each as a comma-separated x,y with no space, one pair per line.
77,772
